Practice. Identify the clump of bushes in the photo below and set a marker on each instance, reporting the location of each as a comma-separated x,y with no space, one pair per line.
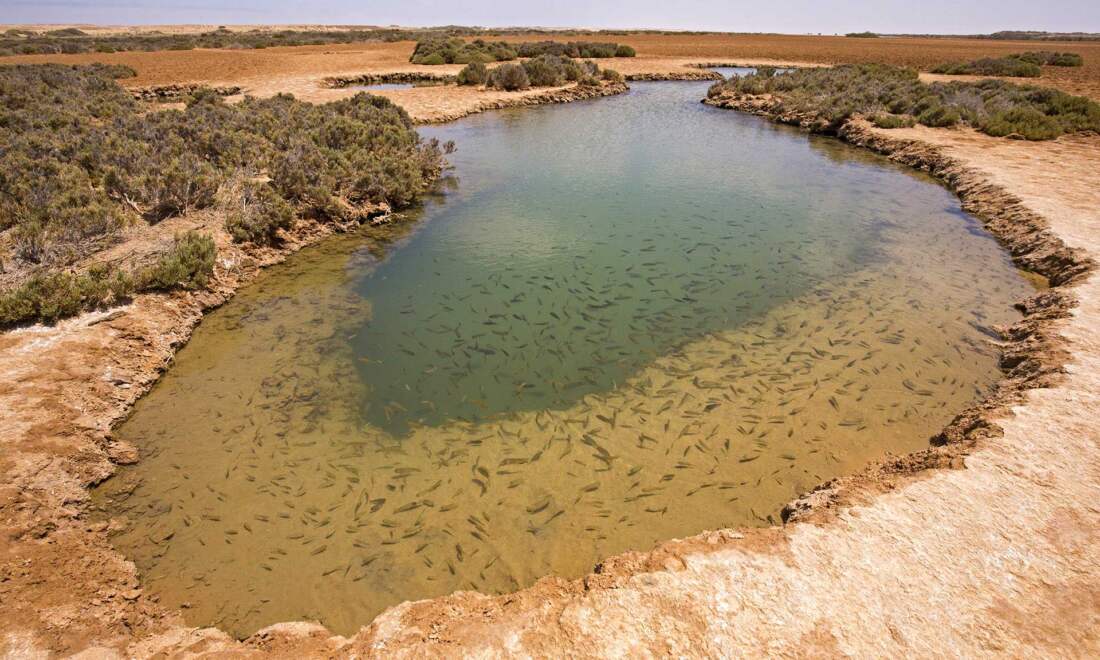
1021,65
52,296
894,96
474,73
541,71
189,264
890,120
992,66
509,77
71,40
575,49
81,159
1050,58
455,50
255,212
862,35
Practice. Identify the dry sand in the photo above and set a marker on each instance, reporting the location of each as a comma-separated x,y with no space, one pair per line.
995,559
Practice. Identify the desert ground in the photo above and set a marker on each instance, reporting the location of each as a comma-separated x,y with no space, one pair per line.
982,547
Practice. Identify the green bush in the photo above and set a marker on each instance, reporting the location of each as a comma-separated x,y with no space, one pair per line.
888,120
454,50
1026,123
431,59
1050,58
573,49
862,35
189,264
53,296
81,159
509,77
257,214
545,71
74,41
879,91
548,71
611,75
474,73
938,116
989,66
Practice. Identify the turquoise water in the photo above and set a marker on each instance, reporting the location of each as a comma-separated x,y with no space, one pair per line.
579,246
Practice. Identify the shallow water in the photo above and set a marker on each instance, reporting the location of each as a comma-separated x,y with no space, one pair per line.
627,320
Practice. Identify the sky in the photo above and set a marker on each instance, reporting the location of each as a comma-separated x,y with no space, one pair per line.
786,16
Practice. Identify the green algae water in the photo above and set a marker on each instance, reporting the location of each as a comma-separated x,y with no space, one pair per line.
620,322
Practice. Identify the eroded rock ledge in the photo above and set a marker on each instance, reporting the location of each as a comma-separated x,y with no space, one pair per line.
1032,355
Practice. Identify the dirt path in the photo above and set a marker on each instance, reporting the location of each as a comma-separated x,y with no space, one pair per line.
995,559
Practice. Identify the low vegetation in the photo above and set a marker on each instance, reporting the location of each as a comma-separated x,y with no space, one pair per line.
82,160
1051,58
1020,65
72,40
862,35
991,66
455,50
893,97
540,71
581,49
50,296
25,42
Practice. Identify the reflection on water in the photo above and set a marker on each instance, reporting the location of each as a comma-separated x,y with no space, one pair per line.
632,320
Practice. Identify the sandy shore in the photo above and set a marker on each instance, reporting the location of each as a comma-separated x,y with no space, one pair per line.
996,556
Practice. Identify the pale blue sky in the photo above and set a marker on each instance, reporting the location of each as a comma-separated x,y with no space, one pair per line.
789,16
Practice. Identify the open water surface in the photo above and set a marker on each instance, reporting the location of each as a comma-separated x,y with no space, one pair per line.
624,321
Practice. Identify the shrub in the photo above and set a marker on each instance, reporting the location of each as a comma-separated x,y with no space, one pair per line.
52,296
878,91
473,73
1026,123
988,66
611,75
509,77
545,71
454,50
255,213
1050,58
862,35
888,120
80,168
576,49
189,264
939,116
548,71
